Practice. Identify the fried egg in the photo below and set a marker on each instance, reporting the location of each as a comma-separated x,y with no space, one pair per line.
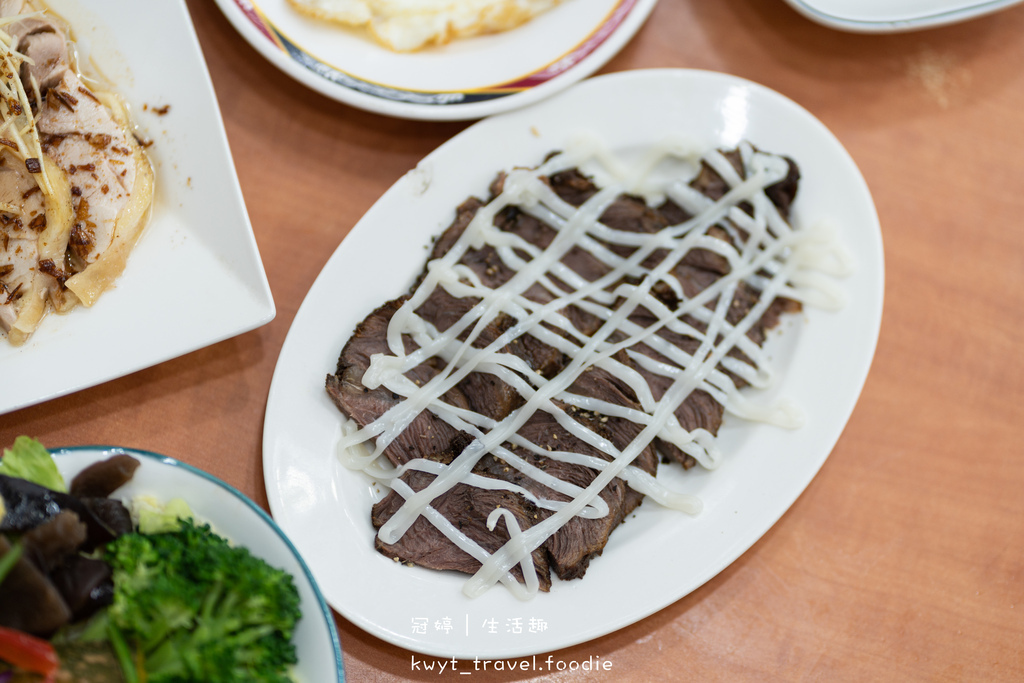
407,25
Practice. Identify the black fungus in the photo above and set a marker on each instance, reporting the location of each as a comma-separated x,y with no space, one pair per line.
29,505
85,583
51,542
101,479
29,600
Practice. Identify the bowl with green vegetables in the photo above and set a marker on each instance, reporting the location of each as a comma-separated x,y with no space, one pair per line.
124,565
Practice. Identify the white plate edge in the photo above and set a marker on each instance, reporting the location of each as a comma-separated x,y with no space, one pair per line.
457,112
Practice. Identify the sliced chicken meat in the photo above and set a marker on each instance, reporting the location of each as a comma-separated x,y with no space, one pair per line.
87,136
87,164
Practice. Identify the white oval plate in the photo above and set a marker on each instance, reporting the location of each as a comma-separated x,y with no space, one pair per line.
233,516
465,79
887,16
658,556
195,277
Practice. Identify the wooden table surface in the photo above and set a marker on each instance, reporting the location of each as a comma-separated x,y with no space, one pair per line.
904,558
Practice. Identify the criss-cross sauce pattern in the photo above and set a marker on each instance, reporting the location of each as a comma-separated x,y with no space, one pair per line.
763,251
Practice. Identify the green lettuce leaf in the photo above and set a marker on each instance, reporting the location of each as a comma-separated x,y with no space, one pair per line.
29,459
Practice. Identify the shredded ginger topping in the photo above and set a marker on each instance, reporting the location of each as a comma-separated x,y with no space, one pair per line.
17,124
764,252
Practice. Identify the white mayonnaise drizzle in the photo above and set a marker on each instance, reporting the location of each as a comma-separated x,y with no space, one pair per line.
773,258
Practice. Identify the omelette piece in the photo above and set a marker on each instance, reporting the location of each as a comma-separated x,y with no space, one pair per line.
408,25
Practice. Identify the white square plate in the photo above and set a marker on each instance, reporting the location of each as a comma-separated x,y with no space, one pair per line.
195,278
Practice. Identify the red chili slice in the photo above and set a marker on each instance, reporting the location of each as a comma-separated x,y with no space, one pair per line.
28,652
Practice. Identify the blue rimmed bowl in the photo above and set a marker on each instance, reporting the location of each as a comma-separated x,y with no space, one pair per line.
235,517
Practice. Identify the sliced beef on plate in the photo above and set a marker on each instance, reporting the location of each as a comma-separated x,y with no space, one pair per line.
427,433
782,193
467,508
568,552
484,392
572,186
573,546
698,411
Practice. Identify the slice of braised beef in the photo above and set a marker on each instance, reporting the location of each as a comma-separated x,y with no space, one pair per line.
427,433
467,508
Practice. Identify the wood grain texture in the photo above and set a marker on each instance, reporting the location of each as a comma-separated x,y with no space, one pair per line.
904,558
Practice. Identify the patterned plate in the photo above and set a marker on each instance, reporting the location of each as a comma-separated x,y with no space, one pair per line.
466,79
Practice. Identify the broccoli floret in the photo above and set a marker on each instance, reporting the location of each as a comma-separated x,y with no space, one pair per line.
199,609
